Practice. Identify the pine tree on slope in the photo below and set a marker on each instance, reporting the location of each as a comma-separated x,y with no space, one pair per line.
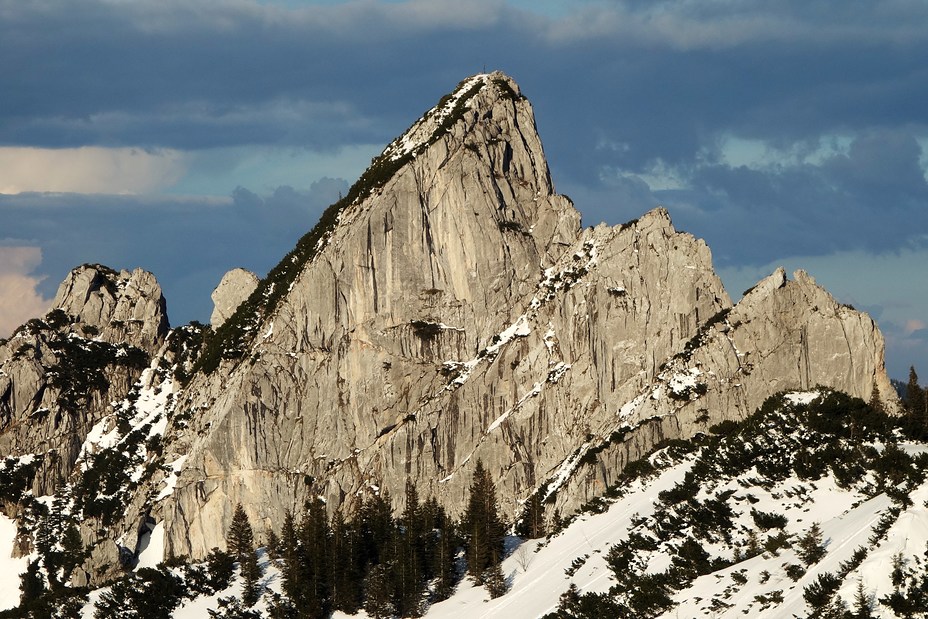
240,541
482,525
915,405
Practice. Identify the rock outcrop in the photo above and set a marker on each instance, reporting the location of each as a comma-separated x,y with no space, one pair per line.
449,310
121,308
234,287
456,313
782,336
59,375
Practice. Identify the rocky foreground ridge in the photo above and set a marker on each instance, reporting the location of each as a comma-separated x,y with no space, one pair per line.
450,309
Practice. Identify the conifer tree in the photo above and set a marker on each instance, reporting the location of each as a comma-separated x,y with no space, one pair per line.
346,578
863,603
409,576
376,525
220,566
273,544
32,585
441,549
290,552
876,398
378,598
148,593
240,538
915,404
811,545
240,541
534,522
495,581
483,527
72,549
313,567
46,542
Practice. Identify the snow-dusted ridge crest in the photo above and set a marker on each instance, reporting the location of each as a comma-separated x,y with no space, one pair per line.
430,125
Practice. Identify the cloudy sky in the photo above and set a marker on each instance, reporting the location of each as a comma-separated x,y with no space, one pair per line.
192,137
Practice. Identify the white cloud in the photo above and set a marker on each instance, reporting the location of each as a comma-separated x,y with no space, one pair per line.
89,169
19,299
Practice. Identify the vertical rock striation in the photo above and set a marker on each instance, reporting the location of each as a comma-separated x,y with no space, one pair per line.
450,309
458,312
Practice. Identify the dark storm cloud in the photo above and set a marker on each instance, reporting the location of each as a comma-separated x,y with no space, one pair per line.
874,198
624,92
618,88
188,243
188,75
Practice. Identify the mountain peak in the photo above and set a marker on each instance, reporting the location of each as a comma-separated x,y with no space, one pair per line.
447,311
122,307
438,120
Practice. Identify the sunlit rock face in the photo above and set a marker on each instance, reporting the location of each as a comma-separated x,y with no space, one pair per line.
234,287
60,374
450,309
459,312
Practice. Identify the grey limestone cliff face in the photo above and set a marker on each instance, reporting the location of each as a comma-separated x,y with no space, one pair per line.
59,375
455,311
234,287
782,336
458,312
124,307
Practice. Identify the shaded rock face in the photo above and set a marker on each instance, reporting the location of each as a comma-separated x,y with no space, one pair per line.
59,375
460,313
234,287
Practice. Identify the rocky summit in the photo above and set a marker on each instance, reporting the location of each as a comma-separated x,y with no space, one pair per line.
449,310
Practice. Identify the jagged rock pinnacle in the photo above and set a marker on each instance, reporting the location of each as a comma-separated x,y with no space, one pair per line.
234,287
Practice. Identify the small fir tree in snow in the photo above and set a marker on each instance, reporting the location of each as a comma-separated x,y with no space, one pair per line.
146,594
231,608
221,567
811,545
898,573
240,537
72,549
863,602
532,525
31,586
495,581
273,544
279,607
378,602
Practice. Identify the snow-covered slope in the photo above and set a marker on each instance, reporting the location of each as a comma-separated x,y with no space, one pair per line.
720,531
813,505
